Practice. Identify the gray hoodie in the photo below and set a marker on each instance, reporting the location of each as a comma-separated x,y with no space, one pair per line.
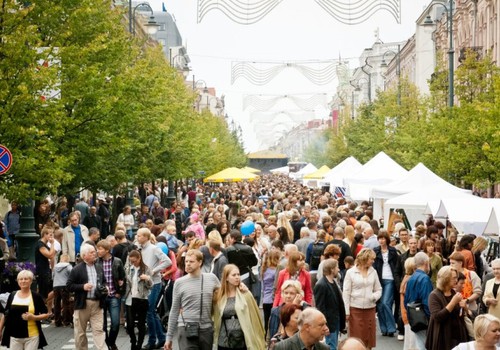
61,274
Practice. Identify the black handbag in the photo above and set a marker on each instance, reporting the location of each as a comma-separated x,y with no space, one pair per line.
193,328
417,317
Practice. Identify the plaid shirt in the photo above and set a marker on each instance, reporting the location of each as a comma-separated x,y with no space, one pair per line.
107,266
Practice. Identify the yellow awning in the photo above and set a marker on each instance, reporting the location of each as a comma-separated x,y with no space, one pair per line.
231,175
318,174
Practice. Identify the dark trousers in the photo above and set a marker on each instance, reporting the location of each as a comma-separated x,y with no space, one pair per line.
63,313
267,313
204,342
137,313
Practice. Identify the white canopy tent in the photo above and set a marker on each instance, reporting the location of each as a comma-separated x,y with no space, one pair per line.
418,178
416,203
282,170
493,224
468,214
308,169
379,170
335,177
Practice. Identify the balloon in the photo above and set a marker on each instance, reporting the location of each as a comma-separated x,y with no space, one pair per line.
163,247
247,228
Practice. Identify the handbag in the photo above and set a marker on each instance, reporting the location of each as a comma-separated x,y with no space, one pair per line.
235,337
193,328
417,317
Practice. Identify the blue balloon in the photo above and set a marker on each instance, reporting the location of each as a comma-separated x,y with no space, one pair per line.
247,228
163,247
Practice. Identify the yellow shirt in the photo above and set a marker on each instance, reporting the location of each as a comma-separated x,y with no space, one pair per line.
32,328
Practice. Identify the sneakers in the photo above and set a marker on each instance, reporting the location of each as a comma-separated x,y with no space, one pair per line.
401,337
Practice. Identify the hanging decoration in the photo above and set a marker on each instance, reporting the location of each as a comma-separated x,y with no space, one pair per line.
353,12
266,102
350,12
261,73
239,11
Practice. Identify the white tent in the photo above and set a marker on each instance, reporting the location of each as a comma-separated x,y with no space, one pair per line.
308,169
282,170
379,170
468,214
420,177
416,203
335,177
493,224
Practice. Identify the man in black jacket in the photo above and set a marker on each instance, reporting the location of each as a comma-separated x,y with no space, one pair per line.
114,274
328,297
242,256
85,280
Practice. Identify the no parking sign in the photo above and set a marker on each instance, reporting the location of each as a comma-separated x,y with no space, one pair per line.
5,159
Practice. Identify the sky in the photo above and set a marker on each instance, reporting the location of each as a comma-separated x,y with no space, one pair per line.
295,30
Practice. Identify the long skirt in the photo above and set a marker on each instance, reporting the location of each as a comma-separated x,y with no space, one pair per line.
362,325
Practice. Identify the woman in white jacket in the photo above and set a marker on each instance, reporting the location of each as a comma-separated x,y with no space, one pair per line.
362,289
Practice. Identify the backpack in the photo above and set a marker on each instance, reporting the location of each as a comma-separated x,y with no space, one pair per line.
316,253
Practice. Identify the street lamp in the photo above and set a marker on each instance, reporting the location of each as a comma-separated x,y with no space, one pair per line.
369,80
449,20
151,26
383,64
185,66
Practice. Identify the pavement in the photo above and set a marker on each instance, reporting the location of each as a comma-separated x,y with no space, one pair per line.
62,338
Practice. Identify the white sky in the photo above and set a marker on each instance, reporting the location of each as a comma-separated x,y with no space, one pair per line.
294,30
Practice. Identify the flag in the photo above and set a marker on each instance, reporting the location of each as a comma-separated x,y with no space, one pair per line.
339,192
163,8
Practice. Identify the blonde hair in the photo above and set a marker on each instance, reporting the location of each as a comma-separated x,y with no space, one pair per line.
481,324
480,244
410,266
444,276
294,284
363,256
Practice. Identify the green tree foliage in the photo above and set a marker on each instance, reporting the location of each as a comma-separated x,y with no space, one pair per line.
120,113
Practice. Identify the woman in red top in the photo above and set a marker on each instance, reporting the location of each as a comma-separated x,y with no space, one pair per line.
295,271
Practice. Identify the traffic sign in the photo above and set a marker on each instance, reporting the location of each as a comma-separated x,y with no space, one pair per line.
5,159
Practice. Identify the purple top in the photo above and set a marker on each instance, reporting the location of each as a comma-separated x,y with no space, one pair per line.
267,285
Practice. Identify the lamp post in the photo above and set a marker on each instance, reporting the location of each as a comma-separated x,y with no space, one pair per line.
151,26
369,80
451,70
205,90
398,68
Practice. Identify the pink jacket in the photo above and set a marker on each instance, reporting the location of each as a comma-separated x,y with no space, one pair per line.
305,281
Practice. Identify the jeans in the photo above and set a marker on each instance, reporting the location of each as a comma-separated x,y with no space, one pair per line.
113,307
63,313
130,234
332,339
155,330
384,308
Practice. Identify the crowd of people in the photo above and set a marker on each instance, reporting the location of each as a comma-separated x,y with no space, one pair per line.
255,265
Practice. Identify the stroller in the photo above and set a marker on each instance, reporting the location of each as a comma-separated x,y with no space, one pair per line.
162,305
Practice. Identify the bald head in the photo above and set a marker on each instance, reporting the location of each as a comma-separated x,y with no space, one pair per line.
351,344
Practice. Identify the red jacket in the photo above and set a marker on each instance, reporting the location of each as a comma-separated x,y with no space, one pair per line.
305,281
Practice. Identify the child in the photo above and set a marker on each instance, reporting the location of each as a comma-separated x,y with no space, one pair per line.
61,294
172,242
348,262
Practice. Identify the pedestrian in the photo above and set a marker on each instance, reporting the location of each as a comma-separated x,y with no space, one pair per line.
43,255
21,328
114,274
87,281
418,289
387,266
73,237
191,313
63,313
328,298
312,329
362,290
157,261
447,326
237,320
139,284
